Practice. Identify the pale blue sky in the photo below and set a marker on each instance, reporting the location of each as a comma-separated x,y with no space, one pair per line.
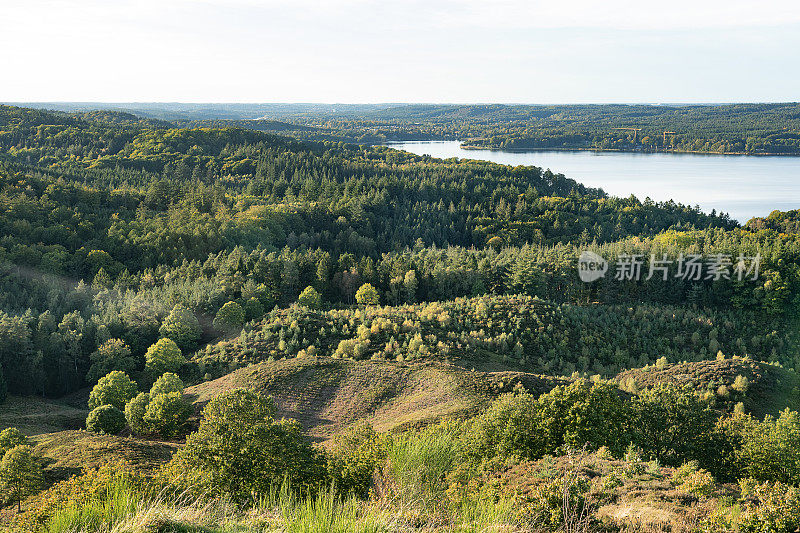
360,51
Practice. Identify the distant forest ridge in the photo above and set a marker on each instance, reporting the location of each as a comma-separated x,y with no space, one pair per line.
746,128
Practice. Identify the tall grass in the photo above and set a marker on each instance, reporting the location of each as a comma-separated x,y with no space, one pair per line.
121,508
328,512
100,513
418,463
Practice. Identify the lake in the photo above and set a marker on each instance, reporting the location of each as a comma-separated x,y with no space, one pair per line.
743,186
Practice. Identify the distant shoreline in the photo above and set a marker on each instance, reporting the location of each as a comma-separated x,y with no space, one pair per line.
581,149
577,149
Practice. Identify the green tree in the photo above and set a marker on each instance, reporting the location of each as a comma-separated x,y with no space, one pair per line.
253,309
240,450
310,298
182,326
368,295
168,382
105,419
20,474
769,450
167,413
584,413
673,425
163,356
134,413
230,318
116,388
9,438
510,426
112,355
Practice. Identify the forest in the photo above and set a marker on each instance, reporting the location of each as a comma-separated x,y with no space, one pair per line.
759,129
147,259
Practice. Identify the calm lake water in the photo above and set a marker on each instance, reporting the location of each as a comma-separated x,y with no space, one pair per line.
743,186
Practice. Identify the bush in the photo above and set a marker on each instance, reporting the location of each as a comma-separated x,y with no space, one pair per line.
368,295
168,382
230,318
699,483
134,413
106,419
355,455
166,414
509,427
182,326
560,503
115,389
769,449
241,451
163,356
684,472
310,298
773,507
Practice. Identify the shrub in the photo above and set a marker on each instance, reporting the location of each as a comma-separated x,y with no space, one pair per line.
168,382
769,449
560,503
163,356
368,295
230,318
510,426
182,326
241,451
134,413
310,298
105,419
115,389
355,455
253,309
673,425
773,507
166,414
684,472
700,483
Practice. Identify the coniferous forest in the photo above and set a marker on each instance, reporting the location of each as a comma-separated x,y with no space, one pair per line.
214,324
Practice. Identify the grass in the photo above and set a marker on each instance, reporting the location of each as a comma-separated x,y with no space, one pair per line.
69,452
327,395
34,415
121,509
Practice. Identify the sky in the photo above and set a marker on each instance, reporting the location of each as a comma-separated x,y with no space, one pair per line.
361,51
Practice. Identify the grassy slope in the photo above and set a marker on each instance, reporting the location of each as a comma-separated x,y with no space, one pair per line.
327,394
771,388
34,415
70,451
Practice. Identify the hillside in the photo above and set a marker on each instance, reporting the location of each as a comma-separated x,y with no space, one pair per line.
68,452
34,415
769,390
327,394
